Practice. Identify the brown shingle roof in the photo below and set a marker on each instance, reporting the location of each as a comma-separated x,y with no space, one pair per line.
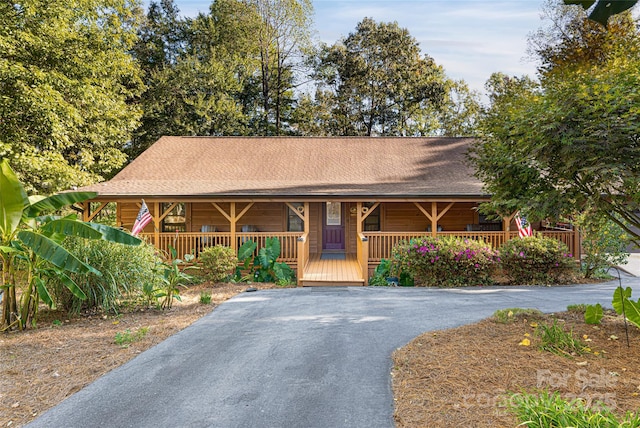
292,166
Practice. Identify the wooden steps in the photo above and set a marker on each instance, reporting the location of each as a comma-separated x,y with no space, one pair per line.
334,271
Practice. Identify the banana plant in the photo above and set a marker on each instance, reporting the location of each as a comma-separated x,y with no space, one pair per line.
600,10
31,250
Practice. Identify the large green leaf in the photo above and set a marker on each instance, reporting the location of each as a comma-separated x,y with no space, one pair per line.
43,292
70,227
246,250
49,250
57,201
72,286
13,200
593,314
623,304
272,246
112,234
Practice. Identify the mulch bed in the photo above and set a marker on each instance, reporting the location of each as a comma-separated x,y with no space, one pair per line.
459,377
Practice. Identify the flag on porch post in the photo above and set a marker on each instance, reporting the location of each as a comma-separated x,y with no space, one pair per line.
143,218
524,227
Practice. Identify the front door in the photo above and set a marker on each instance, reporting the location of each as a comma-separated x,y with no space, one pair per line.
333,227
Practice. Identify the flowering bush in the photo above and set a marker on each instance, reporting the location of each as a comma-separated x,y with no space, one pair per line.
536,260
446,261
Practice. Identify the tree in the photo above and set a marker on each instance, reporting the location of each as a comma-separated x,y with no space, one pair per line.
282,35
380,81
460,110
66,80
30,243
570,40
569,144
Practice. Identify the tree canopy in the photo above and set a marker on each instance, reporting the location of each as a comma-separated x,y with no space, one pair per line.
66,79
380,82
570,142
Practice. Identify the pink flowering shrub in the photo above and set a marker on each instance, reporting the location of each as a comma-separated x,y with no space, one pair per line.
446,261
536,260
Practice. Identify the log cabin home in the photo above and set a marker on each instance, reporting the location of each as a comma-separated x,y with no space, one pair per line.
338,205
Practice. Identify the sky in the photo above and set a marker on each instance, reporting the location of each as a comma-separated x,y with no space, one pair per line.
469,38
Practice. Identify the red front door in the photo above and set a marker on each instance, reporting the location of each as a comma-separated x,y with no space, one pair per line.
333,227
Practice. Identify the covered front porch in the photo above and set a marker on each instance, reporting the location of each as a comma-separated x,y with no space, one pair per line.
338,242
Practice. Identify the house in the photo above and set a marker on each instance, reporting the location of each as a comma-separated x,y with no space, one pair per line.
337,204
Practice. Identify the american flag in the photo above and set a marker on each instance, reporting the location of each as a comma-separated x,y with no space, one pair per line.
143,218
524,227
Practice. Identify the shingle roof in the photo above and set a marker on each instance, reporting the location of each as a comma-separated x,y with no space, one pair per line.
294,166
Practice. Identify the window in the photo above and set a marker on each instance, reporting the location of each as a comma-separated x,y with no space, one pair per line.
294,222
334,214
372,222
176,220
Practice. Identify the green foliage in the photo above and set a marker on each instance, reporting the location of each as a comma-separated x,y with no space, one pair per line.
264,266
33,241
380,83
578,307
127,337
446,261
205,297
381,273
623,305
173,277
66,81
593,314
604,244
541,145
509,315
218,263
127,272
536,260
387,270
554,339
544,410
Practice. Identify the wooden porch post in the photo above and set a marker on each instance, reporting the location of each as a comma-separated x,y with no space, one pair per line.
157,217
506,225
233,222
577,247
86,210
434,219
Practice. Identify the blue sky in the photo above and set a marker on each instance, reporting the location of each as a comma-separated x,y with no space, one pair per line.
470,38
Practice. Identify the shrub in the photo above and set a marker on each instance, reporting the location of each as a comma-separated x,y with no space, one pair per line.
126,272
604,244
218,263
446,261
536,260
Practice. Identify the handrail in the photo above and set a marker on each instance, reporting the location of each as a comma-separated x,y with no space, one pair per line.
362,253
303,255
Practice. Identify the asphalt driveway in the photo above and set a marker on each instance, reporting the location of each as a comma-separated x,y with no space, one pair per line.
304,357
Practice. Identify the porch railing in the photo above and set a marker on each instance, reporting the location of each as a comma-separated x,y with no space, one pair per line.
195,242
381,243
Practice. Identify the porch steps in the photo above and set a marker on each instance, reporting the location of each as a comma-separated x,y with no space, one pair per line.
323,272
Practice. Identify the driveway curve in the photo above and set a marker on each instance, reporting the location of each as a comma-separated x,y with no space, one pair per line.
302,357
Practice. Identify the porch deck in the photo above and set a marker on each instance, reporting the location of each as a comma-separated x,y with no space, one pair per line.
332,272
